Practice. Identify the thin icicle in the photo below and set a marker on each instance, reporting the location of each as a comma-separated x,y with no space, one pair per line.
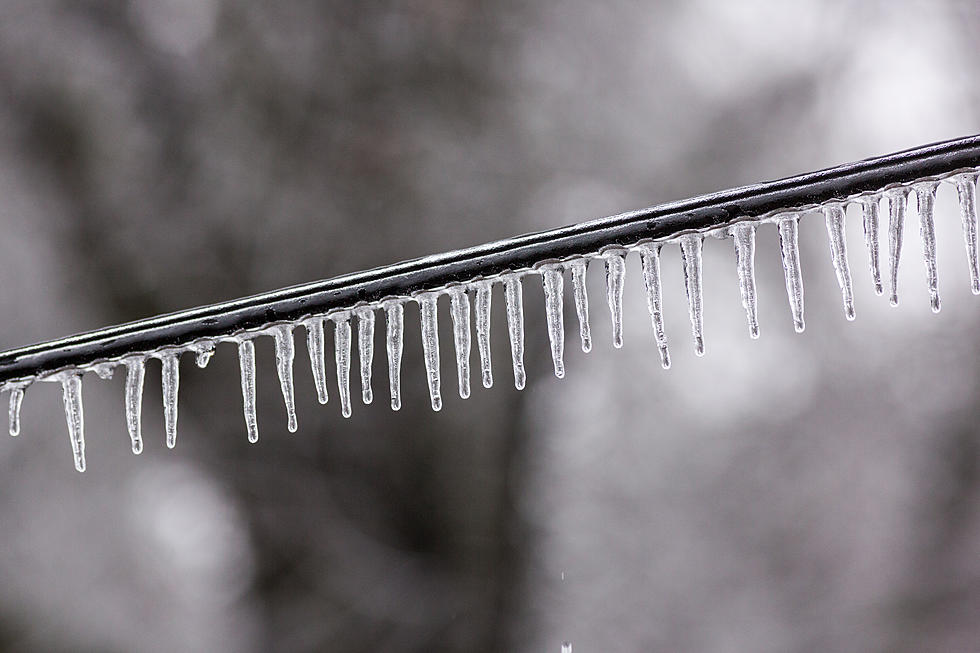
650,260
203,356
459,309
789,247
744,236
71,388
285,355
966,191
428,305
897,200
171,384
484,293
834,215
514,299
16,399
926,194
365,351
579,268
869,216
246,362
135,373
394,343
553,283
341,349
691,253
318,364
615,278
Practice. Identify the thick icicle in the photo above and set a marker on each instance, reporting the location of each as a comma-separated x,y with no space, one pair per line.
514,299
691,253
789,248
897,200
171,384
650,260
16,399
926,194
459,309
428,305
744,236
285,355
135,372
869,216
579,268
834,215
553,283
246,362
615,278
394,343
966,191
315,348
365,351
484,293
71,388
341,349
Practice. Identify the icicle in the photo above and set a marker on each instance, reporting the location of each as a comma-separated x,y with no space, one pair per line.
246,362
966,191
203,356
579,268
395,316
691,253
341,345
869,215
744,236
459,309
834,215
315,348
171,384
650,260
104,371
285,354
789,248
553,282
566,647
484,293
430,345
896,224
135,372
16,399
365,351
926,194
71,388
615,277
514,298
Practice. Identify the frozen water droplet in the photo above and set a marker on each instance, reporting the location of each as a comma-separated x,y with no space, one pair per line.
285,355
365,351
834,215
71,388
104,371
341,350
789,248
203,356
966,191
16,399
744,236
428,305
246,363
579,268
897,199
394,343
566,647
691,255
650,261
315,348
553,284
869,216
615,278
459,309
171,384
926,194
484,293
135,373
514,300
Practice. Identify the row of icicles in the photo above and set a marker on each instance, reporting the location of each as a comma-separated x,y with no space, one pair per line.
553,279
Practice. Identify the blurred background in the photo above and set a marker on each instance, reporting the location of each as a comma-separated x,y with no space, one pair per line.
814,492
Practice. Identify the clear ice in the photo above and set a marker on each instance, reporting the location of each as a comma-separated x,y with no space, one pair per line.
615,278
394,343
869,217
428,305
365,350
744,236
553,284
566,647
135,373
484,293
285,354
459,309
834,215
579,268
203,356
514,299
316,349
789,248
691,255
341,350
926,194
897,200
966,192
171,384
71,389
16,399
246,362
650,261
